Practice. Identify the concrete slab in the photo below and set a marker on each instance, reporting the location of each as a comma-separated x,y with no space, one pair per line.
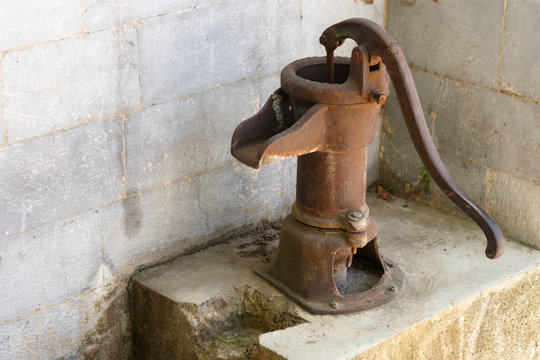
445,269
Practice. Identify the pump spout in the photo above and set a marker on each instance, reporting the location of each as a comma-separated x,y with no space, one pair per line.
273,133
320,116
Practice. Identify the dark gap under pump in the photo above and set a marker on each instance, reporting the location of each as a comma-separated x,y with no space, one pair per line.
325,114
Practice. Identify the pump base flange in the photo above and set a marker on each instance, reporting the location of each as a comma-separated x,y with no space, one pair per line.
304,268
386,290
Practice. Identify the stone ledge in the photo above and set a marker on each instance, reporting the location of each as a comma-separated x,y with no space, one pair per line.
455,303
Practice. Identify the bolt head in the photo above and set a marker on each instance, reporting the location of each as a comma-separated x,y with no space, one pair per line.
355,216
356,220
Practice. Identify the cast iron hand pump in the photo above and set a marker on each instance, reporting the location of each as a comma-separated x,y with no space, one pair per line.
325,114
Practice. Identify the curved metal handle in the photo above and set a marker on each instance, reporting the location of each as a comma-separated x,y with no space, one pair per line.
380,43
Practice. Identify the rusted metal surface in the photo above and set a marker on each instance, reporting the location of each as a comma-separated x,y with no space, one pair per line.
314,267
381,44
325,114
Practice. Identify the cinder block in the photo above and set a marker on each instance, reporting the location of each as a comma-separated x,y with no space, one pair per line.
318,15
101,14
48,264
173,140
428,87
60,174
153,223
521,56
48,334
461,39
400,165
189,52
515,205
54,86
494,129
27,22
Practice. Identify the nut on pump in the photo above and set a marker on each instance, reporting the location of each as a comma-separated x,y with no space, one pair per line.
325,114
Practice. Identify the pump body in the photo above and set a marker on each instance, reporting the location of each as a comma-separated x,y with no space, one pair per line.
325,114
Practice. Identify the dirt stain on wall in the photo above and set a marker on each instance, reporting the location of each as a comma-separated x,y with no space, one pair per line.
133,215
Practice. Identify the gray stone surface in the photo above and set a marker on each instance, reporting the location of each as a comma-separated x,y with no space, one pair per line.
268,83
428,87
446,275
60,174
70,69
101,14
27,22
318,15
461,39
54,86
173,140
493,129
373,154
469,176
48,264
216,50
185,213
500,323
401,165
44,335
227,314
494,135
515,204
521,56
444,264
2,125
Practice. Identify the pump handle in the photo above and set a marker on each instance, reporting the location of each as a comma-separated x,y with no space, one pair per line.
380,43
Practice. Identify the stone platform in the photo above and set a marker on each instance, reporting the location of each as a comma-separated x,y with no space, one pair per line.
455,303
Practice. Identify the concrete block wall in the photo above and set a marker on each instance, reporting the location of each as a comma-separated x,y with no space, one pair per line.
476,67
116,119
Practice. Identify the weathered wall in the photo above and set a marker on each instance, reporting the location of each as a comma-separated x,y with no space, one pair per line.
116,119
500,323
477,70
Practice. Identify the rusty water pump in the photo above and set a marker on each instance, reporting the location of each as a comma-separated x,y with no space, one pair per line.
325,114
